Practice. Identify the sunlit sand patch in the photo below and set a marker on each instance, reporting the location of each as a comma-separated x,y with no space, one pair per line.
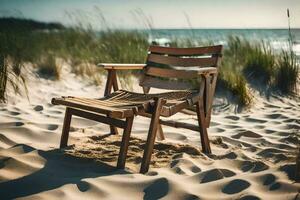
106,149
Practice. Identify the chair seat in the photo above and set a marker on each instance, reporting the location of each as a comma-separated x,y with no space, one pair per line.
122,103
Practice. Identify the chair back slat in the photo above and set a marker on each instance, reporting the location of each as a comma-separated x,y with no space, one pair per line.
164,62
186,51
169,73
206,61
155,82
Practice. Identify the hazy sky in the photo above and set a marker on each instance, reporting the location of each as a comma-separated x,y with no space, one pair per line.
161,13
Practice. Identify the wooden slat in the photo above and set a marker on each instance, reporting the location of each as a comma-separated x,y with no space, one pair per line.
170,73
66,128
121,66
149,81
98,118
109,82
151,135
186,51
160,133
176,73
125,143
108,111
174,124
212,93
201,121
177,61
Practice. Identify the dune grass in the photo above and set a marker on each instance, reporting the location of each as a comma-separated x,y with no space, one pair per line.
234,82
3,78
287,73
48,67
244,62
260,64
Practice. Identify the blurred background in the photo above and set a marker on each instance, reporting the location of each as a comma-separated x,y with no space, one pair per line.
261,38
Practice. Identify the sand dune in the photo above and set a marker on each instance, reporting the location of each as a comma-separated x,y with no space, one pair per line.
253,151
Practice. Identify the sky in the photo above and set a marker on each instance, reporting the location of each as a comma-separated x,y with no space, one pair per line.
132,14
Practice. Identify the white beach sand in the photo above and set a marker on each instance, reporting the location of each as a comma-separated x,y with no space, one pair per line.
253,151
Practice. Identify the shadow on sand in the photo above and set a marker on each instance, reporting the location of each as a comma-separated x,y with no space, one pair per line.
60,169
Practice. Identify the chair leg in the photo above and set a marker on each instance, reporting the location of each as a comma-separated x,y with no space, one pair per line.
151,136
66,129
203,128
125,143
160,133
113,130
111,83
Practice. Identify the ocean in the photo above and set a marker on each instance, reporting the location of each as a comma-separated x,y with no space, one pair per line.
277,38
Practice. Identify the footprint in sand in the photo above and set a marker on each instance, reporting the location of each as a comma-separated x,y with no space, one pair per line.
52,127
214,174
157,189
38,108
257,166
275,186
19,124
195,169
178,170
235,186
268,179
83,186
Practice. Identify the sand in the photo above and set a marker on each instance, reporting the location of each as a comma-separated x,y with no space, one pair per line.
254,151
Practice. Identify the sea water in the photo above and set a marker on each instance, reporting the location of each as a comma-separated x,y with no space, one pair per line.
277,38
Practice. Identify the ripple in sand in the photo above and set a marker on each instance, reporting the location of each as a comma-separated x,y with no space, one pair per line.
191,197
247,133
216,130
232,117
230,155
13,113
249,197
5,141
255,120
11,124
175,136
231,126
290,139
235,186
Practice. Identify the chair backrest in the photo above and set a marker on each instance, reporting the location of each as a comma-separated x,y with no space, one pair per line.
162,71
167,67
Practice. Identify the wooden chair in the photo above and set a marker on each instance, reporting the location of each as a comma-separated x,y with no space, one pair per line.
166,68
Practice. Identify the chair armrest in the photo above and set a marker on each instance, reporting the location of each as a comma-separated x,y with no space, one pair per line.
207,70
121,66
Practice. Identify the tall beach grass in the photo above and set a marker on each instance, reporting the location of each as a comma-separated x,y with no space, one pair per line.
244,62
